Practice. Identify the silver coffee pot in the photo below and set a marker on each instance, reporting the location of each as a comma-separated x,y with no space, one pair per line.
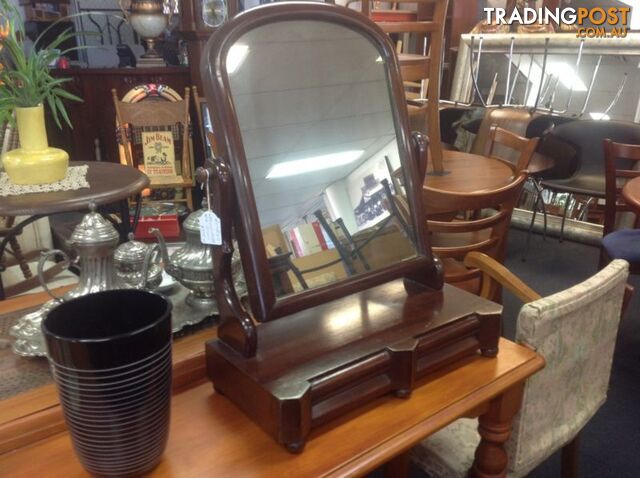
93,242
192,265
136,265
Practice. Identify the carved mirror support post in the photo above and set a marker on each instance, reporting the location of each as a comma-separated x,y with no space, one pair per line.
236,328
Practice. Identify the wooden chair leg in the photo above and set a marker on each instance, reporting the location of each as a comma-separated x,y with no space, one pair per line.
570,458
189,195
17,252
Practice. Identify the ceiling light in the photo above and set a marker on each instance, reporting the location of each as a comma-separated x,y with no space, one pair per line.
599,116
236,56
315,163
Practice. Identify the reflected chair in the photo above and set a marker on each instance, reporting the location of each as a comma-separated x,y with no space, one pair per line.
621,165
452,240
575,331
343,242
134,120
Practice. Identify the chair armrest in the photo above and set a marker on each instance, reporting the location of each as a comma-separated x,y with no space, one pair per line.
493,270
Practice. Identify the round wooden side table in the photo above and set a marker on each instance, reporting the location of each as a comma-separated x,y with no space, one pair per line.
467,172
109,183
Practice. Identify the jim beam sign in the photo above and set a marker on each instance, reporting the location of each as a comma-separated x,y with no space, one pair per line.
159,154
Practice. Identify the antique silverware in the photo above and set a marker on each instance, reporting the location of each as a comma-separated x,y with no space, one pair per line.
136,265
93,242
192,265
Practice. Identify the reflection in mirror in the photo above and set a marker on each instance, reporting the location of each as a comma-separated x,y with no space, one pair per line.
314,110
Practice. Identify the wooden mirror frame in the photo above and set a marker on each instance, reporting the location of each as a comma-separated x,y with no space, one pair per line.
232,182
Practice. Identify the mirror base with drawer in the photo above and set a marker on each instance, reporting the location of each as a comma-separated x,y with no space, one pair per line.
318,364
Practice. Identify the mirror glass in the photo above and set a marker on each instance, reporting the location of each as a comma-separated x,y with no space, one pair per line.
313,105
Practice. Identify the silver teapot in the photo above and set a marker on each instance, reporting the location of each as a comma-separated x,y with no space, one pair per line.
93,242
136,265
192,265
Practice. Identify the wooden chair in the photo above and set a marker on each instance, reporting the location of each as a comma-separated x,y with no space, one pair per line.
158,115
505,145
422,65
620,162
575,331
452,240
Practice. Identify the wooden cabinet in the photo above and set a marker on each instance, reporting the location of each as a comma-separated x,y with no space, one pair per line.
93,132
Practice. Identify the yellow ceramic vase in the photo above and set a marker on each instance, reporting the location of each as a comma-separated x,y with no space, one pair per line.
34,162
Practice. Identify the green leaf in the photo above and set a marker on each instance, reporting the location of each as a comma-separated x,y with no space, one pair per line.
65,94
54,111
63,111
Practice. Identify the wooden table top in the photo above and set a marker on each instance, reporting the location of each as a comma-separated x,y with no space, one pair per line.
211,437
631,193
109,183
467,172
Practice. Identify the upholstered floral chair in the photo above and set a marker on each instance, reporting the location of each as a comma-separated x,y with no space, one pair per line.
575,331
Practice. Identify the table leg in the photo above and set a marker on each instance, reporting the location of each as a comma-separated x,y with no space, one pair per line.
398,466
495,429
136,215
125,225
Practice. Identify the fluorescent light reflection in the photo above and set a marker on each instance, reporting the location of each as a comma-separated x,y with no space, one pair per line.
568,76
236,56
558,69
315,163
599,116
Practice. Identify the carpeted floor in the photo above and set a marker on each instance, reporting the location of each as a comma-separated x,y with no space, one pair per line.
610,444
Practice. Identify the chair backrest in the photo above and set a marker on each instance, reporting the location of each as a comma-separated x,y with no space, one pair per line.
621,164
507,146
454,239
586,137
152,115
419,65
522,122
575,331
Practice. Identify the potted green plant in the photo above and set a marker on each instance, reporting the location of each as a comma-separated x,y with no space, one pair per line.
26,86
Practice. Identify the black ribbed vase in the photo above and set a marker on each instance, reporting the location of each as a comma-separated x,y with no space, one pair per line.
110,356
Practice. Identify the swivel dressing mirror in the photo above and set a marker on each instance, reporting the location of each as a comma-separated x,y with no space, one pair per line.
318,177
314,128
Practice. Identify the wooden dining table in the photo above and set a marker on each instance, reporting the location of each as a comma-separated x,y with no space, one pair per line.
467,172
210,436
631,193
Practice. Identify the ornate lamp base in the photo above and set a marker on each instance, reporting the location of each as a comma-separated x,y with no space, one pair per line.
150,62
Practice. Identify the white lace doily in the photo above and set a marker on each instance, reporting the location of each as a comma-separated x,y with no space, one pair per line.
76,178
